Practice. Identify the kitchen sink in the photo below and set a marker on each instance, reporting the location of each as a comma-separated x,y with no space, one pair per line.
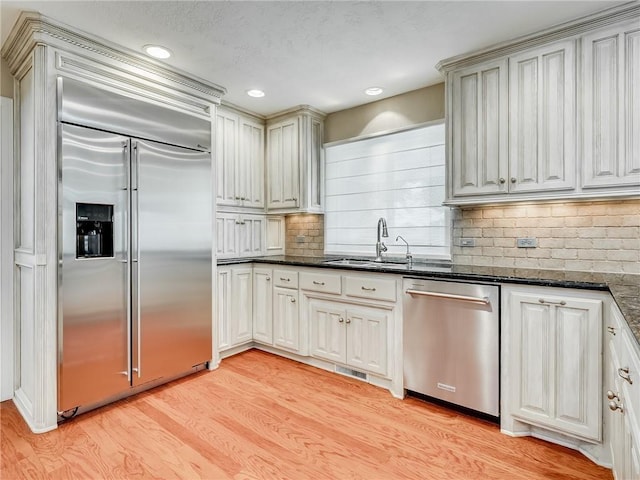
361,262
391,265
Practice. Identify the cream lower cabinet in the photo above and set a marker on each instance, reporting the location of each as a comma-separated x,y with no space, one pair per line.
352,335
554,360
286,319
263,305
235,306
622,396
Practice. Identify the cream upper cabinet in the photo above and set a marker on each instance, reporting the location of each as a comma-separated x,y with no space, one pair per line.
478,125
239,160
542,119
240,235
295,169
611,106
554,361
548,116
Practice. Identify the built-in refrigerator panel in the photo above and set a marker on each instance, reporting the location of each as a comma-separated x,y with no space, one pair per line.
172,274
93,340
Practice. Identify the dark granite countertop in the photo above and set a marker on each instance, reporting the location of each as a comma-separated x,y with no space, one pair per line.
625,288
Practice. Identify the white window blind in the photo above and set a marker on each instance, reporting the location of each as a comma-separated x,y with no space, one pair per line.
398,176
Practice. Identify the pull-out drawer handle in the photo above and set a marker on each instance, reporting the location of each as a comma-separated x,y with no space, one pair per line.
561,302
613,406
282,279
612,396
463,298
366,289
318,283
623,372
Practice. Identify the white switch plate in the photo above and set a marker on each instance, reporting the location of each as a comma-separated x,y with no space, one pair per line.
467,242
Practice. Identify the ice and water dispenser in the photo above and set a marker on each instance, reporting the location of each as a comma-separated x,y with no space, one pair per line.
94,230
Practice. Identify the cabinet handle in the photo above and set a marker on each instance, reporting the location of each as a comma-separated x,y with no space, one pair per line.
502,180
318,283
295,199
268,279
237,198
341,320
242,222
282,279
612,396
623,372
613,406
542,300
348,320
367,289
293,300
237,222
611,330
513,179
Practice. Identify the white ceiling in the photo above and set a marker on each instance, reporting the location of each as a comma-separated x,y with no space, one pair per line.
320,53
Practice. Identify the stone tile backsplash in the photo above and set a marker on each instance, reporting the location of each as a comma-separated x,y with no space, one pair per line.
304,235
587,236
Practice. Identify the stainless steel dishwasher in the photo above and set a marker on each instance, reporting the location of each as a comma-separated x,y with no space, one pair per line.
451,342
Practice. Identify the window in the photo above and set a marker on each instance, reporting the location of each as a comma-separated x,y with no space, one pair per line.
400,177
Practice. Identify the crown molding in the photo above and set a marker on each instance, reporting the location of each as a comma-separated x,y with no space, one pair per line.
32,29
299,110
602,19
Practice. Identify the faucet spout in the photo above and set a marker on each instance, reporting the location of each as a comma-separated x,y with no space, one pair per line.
382,232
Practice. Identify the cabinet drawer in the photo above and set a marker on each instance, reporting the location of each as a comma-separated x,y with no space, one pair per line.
374,288
319,282
285,278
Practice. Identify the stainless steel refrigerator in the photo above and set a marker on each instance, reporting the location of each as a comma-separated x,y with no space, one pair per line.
135,230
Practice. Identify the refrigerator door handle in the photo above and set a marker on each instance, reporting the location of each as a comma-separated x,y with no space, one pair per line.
127,245
135,250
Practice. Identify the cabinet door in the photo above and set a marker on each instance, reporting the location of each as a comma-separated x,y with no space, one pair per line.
226,157
242,311
542,119
556,351
327,336
611,106
479,148
616,419
286,319
223,309
250,171
262,305
367,339
283,169
226,235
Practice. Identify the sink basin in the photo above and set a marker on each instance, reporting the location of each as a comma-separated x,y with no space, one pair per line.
415,266
364,263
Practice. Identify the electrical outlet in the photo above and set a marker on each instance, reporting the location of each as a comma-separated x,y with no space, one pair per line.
467,242
527,242
300,239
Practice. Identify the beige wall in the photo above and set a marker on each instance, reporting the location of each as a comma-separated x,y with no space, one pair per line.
407,109
309,226
586,236
6,80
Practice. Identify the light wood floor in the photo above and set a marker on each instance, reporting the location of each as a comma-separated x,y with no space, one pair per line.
260,416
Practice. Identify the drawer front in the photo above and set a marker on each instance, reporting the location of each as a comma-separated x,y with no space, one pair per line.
319,282
374,288
285,278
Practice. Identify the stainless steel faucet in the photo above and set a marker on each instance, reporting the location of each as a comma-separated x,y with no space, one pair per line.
408,255
382,231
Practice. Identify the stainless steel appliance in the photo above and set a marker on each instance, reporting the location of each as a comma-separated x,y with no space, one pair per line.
135,276
451,342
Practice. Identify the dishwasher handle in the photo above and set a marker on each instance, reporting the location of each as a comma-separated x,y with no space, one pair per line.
451,296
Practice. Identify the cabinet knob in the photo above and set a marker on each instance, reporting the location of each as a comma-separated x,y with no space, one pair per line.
502,180
612,396
293,300
513,180
348,320
613,406
611,330
623,372
237,198
341,320
268,279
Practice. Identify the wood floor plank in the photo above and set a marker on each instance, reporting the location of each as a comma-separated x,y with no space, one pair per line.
260,417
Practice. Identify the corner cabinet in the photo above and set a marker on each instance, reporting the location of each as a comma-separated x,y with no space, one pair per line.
239,160
554,346
235,308
295,170
529,120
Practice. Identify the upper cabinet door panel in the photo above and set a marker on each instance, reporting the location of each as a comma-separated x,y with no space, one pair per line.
611,106
250,169
226,157
283,165
479,129
542,123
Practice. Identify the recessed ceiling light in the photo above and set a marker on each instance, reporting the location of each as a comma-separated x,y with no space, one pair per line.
373,91
157,51
255,93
